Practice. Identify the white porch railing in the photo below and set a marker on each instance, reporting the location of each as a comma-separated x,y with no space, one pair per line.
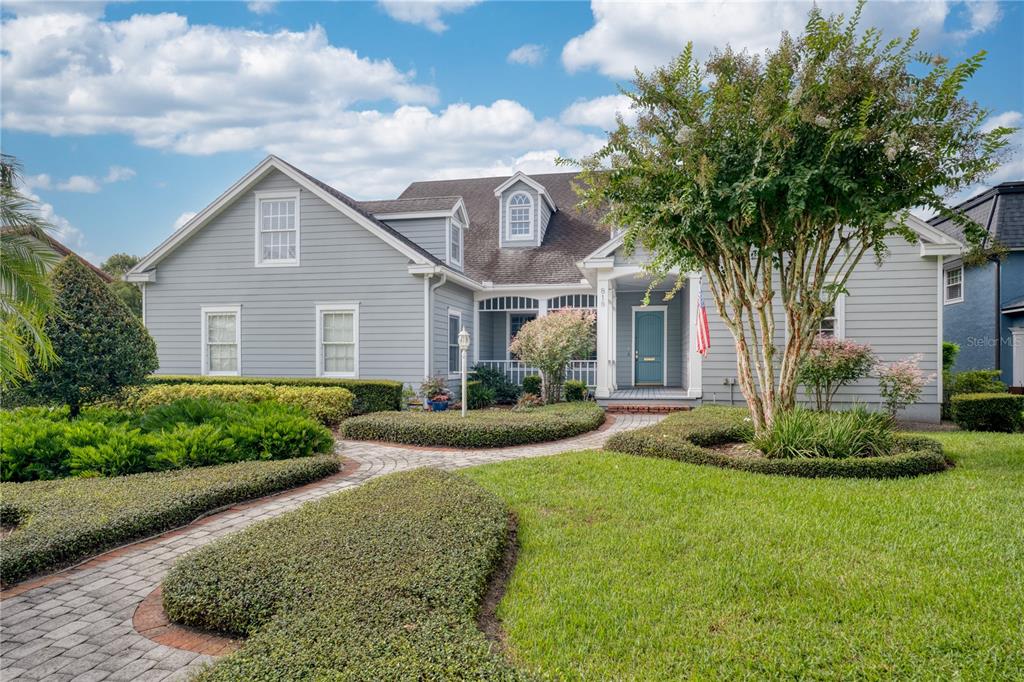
578,370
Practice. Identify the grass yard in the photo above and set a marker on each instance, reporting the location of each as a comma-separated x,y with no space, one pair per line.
634,568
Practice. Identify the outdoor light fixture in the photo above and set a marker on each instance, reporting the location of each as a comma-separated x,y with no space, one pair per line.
464,349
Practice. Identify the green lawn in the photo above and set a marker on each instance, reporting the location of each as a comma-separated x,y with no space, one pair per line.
638,569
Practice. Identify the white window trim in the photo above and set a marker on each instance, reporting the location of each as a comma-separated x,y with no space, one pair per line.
204,360
345,307
455,225
839,314
945,286
508,218
277,196
452,312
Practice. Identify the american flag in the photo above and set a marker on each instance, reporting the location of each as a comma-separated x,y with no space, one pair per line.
703,331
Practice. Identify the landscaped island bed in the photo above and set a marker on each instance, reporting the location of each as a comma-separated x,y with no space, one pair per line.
378,583
694,436
62,521
647,569
480,429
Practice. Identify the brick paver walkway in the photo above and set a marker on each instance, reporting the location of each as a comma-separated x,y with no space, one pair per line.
79,625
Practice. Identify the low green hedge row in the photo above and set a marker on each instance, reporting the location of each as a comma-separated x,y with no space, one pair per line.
329,405
381,582
370,395
988,412
479,429
61,522
41,443
687,437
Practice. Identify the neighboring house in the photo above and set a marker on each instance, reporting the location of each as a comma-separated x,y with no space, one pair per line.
61,251
284,275
984,304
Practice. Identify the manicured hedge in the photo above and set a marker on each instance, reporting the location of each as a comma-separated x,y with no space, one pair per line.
988,412
371,395
61,522
379,583
479,429
327,404
687,437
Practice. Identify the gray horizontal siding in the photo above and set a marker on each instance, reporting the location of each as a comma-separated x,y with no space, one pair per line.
430,233
449,296
493,335
340,262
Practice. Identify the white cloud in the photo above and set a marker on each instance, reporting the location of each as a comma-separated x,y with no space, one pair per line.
119,174
262,7
168,83
599,112
182,219
79,183
528,54
648,34
427,13
33,182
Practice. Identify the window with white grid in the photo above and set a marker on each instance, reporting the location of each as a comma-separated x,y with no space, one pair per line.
221,341
455,243
954,285
277,229
520,216
338,341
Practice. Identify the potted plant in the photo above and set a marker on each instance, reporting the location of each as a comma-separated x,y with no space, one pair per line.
435,393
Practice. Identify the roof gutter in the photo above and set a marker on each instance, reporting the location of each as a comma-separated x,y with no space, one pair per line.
449,274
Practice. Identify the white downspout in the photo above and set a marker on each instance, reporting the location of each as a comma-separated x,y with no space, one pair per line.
428,293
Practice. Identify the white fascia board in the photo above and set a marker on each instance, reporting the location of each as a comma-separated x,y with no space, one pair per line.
148,276
928,233
453,275
607,248
940,249
412,215
246,183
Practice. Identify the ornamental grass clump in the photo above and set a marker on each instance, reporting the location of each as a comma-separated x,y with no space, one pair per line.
804,433
832,363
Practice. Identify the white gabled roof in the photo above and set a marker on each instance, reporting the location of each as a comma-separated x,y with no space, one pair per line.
414,252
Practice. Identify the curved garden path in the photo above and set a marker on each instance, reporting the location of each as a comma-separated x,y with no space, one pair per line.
77,624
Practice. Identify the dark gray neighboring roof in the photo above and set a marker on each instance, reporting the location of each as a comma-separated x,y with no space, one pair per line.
571,234
999,210
409,205
349,201
1014,305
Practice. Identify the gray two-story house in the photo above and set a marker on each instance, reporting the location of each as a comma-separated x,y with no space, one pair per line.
284,275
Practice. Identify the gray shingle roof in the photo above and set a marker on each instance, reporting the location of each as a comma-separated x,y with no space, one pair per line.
1000,210
571,235
409,205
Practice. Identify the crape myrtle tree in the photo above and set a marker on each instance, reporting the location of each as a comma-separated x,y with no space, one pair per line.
775,175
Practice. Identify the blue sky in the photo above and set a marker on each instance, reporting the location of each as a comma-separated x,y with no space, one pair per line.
128,117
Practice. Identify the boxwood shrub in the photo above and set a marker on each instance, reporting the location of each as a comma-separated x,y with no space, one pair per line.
61,522
688,437
370,395
327,404
43,444
989,411
533,384
381,582
479,429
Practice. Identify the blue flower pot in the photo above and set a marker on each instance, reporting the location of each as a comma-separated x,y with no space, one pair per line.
438,405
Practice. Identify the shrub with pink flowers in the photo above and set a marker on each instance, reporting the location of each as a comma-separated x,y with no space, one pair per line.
900,383
550,342
831,364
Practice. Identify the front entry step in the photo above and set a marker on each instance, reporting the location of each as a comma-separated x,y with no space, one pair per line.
634,408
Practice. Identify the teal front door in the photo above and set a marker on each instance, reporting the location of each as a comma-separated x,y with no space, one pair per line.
649,347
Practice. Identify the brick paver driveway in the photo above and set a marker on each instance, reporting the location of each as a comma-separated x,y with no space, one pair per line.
79,625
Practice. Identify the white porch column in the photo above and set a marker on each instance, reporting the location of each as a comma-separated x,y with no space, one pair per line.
695,361
605,334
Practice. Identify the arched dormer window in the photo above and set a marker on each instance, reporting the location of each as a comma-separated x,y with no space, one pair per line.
520,216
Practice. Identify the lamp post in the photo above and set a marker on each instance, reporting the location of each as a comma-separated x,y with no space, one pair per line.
464,350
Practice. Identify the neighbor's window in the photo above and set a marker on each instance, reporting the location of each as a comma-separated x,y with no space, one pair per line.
338,336
454,354
277,229
455,244
955,285
520,216
222,341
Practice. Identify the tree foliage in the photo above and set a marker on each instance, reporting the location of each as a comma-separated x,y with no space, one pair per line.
116,266
776,175
103,348
550,342
25,297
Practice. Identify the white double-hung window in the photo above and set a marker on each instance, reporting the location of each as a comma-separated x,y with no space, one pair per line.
954,290
454,242
520,216
222,340
277,228
454,352
337,340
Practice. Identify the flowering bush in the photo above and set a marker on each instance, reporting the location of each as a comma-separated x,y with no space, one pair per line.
550,342
900,383
831,364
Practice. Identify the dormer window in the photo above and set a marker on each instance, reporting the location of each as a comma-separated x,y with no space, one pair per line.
277,228
520,216
454,242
